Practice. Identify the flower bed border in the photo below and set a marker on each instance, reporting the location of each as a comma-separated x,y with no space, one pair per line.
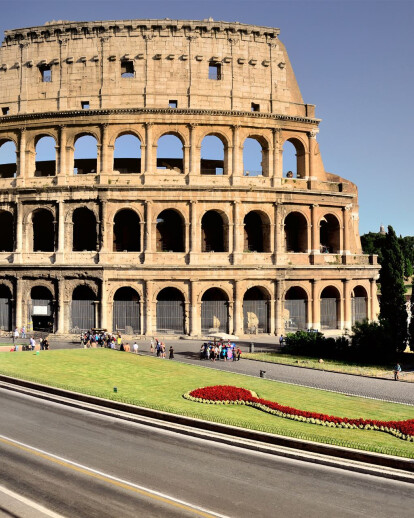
229,395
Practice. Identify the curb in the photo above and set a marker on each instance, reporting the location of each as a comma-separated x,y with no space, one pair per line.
260,441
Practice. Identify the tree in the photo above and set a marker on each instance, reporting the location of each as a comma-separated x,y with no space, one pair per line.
411,327
393,313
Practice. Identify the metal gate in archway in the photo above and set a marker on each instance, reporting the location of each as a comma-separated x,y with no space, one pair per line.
214,316
359,309
295,314
126,315
40,314
255,316
170,316
83,315
329,313
5,314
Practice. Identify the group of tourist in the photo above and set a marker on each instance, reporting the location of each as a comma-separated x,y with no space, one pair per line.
157,347
220,351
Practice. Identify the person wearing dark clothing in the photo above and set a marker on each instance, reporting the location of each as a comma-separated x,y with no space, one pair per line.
171,353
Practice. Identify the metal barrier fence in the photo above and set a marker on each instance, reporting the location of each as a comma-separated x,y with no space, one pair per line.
296,309
359,309
329,319
256,316
82,315
170,316
214,315
5,314
126,313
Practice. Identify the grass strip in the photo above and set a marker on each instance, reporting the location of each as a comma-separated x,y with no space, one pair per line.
160,384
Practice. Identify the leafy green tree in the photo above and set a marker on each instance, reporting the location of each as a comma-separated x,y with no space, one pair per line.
411,327
393,313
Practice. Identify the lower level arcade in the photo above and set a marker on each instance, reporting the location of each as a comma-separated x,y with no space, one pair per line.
196,307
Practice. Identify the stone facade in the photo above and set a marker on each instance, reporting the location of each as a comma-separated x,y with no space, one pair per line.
160,244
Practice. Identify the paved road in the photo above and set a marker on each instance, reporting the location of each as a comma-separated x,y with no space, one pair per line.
221,479
188,351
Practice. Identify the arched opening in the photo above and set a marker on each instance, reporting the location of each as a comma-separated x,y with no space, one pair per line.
86,155
170,311
214,311
213,232
296,232
170,153
255,311
294,159
330,308
170,232
127,154
329,235
41,311
212,156
83,310
295,315
126,311
127,231
6,308
7,231
359,304
254,158
8,164
84,230
43,231
45,163
256,232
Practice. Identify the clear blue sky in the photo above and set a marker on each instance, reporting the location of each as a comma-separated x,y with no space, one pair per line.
353,59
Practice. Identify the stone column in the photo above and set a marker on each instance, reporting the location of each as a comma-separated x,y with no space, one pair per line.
149,166
19,227
106,165
61,172
148,231
61,306
141,317
61,230
238,308
187,323
149,308
103,245
237,168
22,171
272,326
194,309
311,165
373,300
315,246
231,317
316,313
187,238
104,305
194,248
345,219
194,165
141,236
279,237
238,236
280,324
186,160
347,321
277,172
19,305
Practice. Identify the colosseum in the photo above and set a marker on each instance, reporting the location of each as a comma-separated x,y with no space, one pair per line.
143,186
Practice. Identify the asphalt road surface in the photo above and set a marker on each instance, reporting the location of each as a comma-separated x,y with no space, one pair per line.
76,464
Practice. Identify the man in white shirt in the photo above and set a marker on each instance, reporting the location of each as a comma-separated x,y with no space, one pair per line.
135,348
32,343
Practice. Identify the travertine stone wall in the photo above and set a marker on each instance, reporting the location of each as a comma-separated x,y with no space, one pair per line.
171,62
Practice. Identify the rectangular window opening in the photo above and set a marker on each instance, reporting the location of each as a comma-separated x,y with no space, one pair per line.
5,110
255,107
127,69
46,73
214,71
173,104
85,105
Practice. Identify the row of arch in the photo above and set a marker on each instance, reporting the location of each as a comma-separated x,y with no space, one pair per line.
213,155
170,231
171,313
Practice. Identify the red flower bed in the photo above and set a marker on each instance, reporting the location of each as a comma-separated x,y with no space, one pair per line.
229,394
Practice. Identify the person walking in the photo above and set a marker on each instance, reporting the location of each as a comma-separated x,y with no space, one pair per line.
397,371
135,348
16,334
32,343
171,356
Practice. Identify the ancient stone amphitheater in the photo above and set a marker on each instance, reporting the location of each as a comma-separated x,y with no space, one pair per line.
126,196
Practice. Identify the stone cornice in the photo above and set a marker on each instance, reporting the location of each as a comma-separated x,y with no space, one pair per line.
52,30
150,111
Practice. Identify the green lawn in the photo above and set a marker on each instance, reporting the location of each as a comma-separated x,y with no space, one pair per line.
160,384
375,371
